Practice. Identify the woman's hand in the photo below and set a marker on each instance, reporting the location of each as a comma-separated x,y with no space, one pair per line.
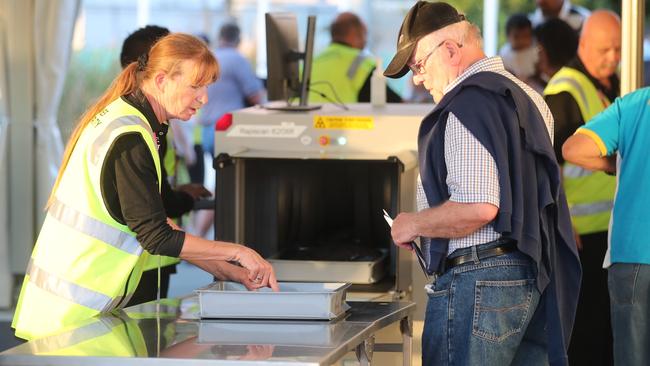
228,272
198,251
259,270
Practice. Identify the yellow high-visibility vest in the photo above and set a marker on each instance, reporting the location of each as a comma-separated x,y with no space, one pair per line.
84,262
170,163
170,160
345,68
590,194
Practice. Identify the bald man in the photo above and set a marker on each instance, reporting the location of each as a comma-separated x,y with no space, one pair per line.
345,66
575,94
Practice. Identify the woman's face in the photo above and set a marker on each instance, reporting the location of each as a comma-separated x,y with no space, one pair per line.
181,99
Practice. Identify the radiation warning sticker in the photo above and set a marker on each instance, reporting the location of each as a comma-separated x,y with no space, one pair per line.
344,122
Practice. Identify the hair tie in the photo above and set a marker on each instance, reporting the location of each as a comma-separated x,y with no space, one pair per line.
142,61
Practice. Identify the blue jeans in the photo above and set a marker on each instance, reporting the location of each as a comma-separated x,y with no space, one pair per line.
629,292
484,313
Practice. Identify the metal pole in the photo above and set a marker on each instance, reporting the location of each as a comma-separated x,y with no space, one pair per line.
632,45
143,10
490,26
21,96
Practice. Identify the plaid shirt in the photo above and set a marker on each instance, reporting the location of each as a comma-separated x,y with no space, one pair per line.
472,175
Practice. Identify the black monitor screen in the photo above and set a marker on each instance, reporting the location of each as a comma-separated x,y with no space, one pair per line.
282,56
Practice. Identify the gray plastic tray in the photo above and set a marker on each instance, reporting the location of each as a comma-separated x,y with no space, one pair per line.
277,332
295,300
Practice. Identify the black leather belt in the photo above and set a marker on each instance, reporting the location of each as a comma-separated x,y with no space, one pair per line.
482,253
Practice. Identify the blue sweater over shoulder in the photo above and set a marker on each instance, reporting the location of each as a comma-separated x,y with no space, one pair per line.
532,210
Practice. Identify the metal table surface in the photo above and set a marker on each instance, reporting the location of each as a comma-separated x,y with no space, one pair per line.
170,333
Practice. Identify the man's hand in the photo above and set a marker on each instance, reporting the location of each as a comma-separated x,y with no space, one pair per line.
403,230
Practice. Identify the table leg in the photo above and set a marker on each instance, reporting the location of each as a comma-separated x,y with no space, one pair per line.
406,327
364,351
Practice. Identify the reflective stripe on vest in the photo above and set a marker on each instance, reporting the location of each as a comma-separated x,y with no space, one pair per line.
97,229
574,171
589,194
591,208
70,291
354,67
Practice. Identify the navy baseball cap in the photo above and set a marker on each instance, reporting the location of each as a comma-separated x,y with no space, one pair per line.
423,18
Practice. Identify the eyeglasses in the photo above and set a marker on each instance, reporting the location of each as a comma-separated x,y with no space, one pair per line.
418,66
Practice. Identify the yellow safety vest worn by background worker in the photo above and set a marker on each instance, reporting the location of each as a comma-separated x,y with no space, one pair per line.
345,68
590,194
84,262
171,164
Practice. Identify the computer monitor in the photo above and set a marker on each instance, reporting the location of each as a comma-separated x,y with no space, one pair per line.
284,82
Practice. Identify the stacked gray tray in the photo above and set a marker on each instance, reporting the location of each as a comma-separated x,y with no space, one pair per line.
295,300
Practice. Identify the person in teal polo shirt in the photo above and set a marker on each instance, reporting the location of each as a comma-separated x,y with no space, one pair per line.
616,141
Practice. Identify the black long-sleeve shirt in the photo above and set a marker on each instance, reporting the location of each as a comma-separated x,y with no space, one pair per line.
130,186
566,111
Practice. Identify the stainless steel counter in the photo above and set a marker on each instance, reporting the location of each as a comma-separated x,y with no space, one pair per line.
171,333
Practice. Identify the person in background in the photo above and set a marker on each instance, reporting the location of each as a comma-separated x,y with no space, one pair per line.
575,94
238,87
493,221
548,9
177,201
106,209
344,66
519,54
616,141
195,129
557,44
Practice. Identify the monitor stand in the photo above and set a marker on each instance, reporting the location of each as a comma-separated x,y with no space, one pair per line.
284,106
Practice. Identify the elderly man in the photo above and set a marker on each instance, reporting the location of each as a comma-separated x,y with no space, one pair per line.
344,65
575,94
623,129
493,219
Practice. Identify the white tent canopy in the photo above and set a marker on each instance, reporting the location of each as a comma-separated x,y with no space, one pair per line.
34,53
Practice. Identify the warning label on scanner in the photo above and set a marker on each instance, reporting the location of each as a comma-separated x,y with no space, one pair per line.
344,122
